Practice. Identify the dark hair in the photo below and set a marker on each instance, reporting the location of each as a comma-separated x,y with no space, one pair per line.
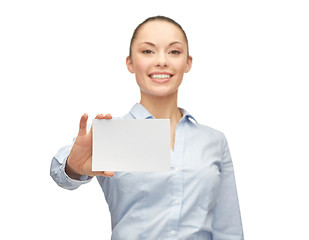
157,18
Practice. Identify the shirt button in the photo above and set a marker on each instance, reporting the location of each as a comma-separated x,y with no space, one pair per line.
176,169
173,233
176,202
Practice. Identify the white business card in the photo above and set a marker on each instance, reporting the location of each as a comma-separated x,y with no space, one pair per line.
131,145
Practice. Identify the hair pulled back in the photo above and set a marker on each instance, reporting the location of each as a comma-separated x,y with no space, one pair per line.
157,18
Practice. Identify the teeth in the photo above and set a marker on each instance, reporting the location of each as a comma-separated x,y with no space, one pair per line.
160,76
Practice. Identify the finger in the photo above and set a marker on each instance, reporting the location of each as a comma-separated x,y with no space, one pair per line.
83,125
102,173
108,116
108,173
99,116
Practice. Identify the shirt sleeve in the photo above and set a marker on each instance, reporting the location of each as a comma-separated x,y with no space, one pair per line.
57,170
227,223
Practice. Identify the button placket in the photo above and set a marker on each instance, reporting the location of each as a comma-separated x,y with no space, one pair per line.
177,183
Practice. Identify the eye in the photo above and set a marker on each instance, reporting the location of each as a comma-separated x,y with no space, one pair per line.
147,51
175,52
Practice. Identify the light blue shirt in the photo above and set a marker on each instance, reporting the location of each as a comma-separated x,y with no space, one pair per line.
195,200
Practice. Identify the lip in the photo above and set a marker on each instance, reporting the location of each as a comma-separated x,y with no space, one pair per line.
160,80
167,73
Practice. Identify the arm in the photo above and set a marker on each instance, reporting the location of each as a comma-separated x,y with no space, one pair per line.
227,220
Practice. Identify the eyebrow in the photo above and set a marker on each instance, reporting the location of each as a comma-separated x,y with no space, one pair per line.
152,44
175,43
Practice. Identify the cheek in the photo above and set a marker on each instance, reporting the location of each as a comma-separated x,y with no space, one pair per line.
141,66
140,69
180,65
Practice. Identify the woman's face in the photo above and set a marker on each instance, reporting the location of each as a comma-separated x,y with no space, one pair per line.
159,58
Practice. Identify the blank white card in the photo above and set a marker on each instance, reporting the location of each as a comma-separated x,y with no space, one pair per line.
131,145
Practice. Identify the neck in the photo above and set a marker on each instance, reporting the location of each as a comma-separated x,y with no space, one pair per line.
162,107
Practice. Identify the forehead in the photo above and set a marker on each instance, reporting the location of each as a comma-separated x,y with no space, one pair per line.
160,32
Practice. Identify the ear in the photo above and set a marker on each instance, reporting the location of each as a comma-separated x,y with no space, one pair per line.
189,64
130,64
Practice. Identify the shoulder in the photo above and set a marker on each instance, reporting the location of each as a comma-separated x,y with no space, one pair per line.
201,129
207,130
208,134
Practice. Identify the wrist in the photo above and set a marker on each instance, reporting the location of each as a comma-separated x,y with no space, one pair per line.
70,172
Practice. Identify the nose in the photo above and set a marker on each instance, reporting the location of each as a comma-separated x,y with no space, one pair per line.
162,60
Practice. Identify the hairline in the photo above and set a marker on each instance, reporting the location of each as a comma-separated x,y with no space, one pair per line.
158,18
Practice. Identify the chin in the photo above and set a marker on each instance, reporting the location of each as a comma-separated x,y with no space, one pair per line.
159,93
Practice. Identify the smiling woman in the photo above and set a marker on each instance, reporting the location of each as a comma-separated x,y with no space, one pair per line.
159,58
197,198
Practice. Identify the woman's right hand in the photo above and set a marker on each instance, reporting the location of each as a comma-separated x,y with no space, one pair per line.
79,161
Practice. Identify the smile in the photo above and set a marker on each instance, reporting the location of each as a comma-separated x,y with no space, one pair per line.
160,76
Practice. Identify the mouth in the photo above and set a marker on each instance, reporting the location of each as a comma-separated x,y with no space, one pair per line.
160,77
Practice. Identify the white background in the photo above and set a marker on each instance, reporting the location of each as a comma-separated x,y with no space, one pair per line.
59,59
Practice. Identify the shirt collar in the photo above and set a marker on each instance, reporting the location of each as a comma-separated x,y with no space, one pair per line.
187,115
138,111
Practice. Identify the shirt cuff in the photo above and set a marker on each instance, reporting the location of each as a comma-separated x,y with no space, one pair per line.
58,171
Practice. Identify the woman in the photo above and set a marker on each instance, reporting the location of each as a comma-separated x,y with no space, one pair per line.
197,199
